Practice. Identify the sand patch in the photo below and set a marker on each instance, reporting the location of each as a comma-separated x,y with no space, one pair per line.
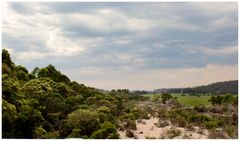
148,128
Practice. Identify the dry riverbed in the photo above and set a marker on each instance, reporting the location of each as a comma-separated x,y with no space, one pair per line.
147,128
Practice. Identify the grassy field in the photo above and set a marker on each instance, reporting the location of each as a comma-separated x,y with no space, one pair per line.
190,100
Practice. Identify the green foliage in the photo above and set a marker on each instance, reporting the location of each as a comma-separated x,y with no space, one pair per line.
214,123
150,137
54,103
75,134
84,120
35,88
39,132
165,97
10,88
181,121
198,119
104,110
162,113
9,115
232,131
107,131
130,124
22,73
6,69
156,98
200,108
51,72
173,132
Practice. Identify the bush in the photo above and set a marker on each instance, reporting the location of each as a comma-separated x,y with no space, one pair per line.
216,110
189,127
162,113
198,119
150,137
39,132
232,131
104,109
84,120
75,133
162,123
181,121
51,135
107,131
130,124
128,116
129,133
200,108
211,125
173,132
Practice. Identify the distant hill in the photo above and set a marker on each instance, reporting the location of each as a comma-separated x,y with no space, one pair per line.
214,88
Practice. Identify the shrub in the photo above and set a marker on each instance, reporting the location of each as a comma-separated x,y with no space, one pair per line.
198,119
75,133
51,135
181,121
39,132
128,116
216,110
130,124
211,124
231,131
84,120
129,133
200,108
173,132
162,113
189,127
107,131
150,137
162,123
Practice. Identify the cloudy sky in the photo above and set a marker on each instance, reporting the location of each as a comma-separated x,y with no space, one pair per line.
126,45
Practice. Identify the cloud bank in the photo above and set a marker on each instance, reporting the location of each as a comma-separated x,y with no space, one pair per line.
126,45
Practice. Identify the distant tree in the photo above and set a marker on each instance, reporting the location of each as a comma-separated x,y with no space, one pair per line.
6,58
165,97
156,98
35,72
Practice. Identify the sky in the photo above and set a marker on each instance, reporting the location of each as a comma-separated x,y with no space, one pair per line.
142,46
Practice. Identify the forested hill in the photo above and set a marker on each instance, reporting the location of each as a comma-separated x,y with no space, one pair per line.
45,103
214,88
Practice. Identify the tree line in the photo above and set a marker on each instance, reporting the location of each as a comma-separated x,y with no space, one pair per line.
230,87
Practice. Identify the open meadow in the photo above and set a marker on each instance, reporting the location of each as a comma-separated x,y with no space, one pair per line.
188,100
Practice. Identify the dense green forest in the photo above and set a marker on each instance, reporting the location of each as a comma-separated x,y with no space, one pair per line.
45,103
214,88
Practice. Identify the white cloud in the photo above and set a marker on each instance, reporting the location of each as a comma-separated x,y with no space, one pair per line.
62,46
31,55
219,51
125,41
44,29
109,20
